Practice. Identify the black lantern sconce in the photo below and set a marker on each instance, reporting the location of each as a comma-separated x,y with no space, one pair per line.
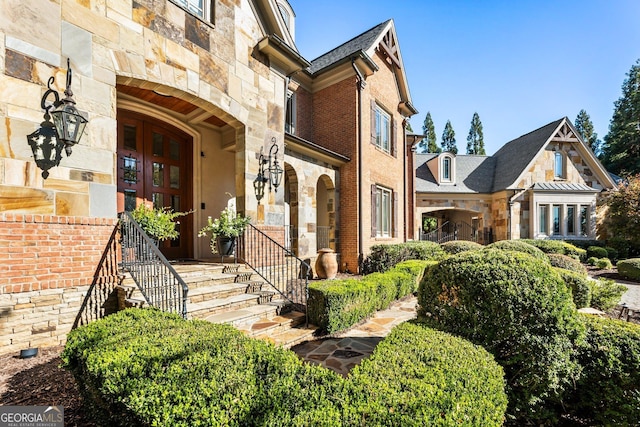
66,130
272,173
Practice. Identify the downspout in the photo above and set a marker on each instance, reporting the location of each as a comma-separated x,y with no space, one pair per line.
404,178
360,86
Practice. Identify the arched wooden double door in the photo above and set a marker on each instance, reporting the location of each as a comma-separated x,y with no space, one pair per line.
155,165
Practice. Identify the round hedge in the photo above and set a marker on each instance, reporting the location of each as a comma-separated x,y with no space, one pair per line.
557,247
568,263
520,310
457,246
519,246
629,268
608,390
597,251
579,285
604,264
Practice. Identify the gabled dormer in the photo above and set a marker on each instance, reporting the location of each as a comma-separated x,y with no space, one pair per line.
443,168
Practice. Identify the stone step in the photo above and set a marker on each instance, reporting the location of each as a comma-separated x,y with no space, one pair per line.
206,308
243,318
215,291
273,325
290,337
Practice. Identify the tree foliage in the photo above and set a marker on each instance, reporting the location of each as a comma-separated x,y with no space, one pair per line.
428,145
585,127
449,139
475,140
621,149
623,216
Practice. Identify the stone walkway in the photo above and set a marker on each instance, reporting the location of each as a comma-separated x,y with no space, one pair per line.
343,351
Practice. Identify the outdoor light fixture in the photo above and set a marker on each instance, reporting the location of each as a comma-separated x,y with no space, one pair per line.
65,131
274,171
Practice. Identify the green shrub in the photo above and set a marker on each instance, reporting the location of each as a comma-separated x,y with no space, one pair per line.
604,264
579,286
558,247
597,251
520,310
457,246
608,390
335,305
568,263
384,257
592,261
413,379
518,246
629,268
606,294
612,253
622,245
142,367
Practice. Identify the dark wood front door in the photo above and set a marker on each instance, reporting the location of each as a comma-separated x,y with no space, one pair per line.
154,166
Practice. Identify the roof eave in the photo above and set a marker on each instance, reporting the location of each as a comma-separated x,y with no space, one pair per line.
283,55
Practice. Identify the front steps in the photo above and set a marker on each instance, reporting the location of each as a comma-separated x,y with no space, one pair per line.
228,293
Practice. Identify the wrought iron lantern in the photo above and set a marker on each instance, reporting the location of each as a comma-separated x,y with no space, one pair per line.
65,131
274,170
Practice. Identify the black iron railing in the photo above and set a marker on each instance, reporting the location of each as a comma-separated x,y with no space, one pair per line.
157,280
449,231
279,267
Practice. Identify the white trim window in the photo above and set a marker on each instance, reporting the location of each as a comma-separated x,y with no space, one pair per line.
290,113
383,212
558,165
383,129
543,214
200,8
447,169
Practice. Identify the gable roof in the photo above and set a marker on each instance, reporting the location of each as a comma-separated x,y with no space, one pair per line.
360,43
514,157
480,174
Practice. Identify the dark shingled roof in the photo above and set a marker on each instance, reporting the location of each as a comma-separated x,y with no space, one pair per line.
514,156
356,44
474,174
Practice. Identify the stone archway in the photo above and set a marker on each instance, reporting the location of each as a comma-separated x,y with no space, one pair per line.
325,213
291,211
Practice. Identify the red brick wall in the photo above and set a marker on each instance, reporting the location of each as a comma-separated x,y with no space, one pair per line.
304,114
40,252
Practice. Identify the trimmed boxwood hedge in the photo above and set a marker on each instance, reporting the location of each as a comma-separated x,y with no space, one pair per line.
521,311
335,305
518,246
567,263
457,246
557,247
605,293
629,268
383,257
579,284
597,251
608,390
142,367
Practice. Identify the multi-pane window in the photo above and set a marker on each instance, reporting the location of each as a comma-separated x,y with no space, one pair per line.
383,212
558,165
584,220
571,219
199,8
383,129
564,220
556,219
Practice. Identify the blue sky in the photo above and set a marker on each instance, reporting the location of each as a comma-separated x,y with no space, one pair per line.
519,64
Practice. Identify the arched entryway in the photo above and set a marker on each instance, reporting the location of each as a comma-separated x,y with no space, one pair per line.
154,162
442,225
325,213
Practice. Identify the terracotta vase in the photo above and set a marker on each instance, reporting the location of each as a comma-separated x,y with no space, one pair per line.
326,264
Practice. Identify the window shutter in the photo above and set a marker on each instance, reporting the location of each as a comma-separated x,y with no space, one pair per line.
395,214
374,211
373,122
394,139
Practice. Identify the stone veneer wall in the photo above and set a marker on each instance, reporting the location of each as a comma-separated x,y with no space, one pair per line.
55,272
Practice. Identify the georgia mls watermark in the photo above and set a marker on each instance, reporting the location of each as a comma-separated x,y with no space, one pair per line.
31,416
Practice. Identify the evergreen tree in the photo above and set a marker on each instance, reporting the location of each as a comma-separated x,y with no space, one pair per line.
475,140
585,127
449,139
621,148
409,128
428,145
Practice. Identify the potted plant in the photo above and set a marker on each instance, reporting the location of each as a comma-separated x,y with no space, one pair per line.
224,230
158,223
